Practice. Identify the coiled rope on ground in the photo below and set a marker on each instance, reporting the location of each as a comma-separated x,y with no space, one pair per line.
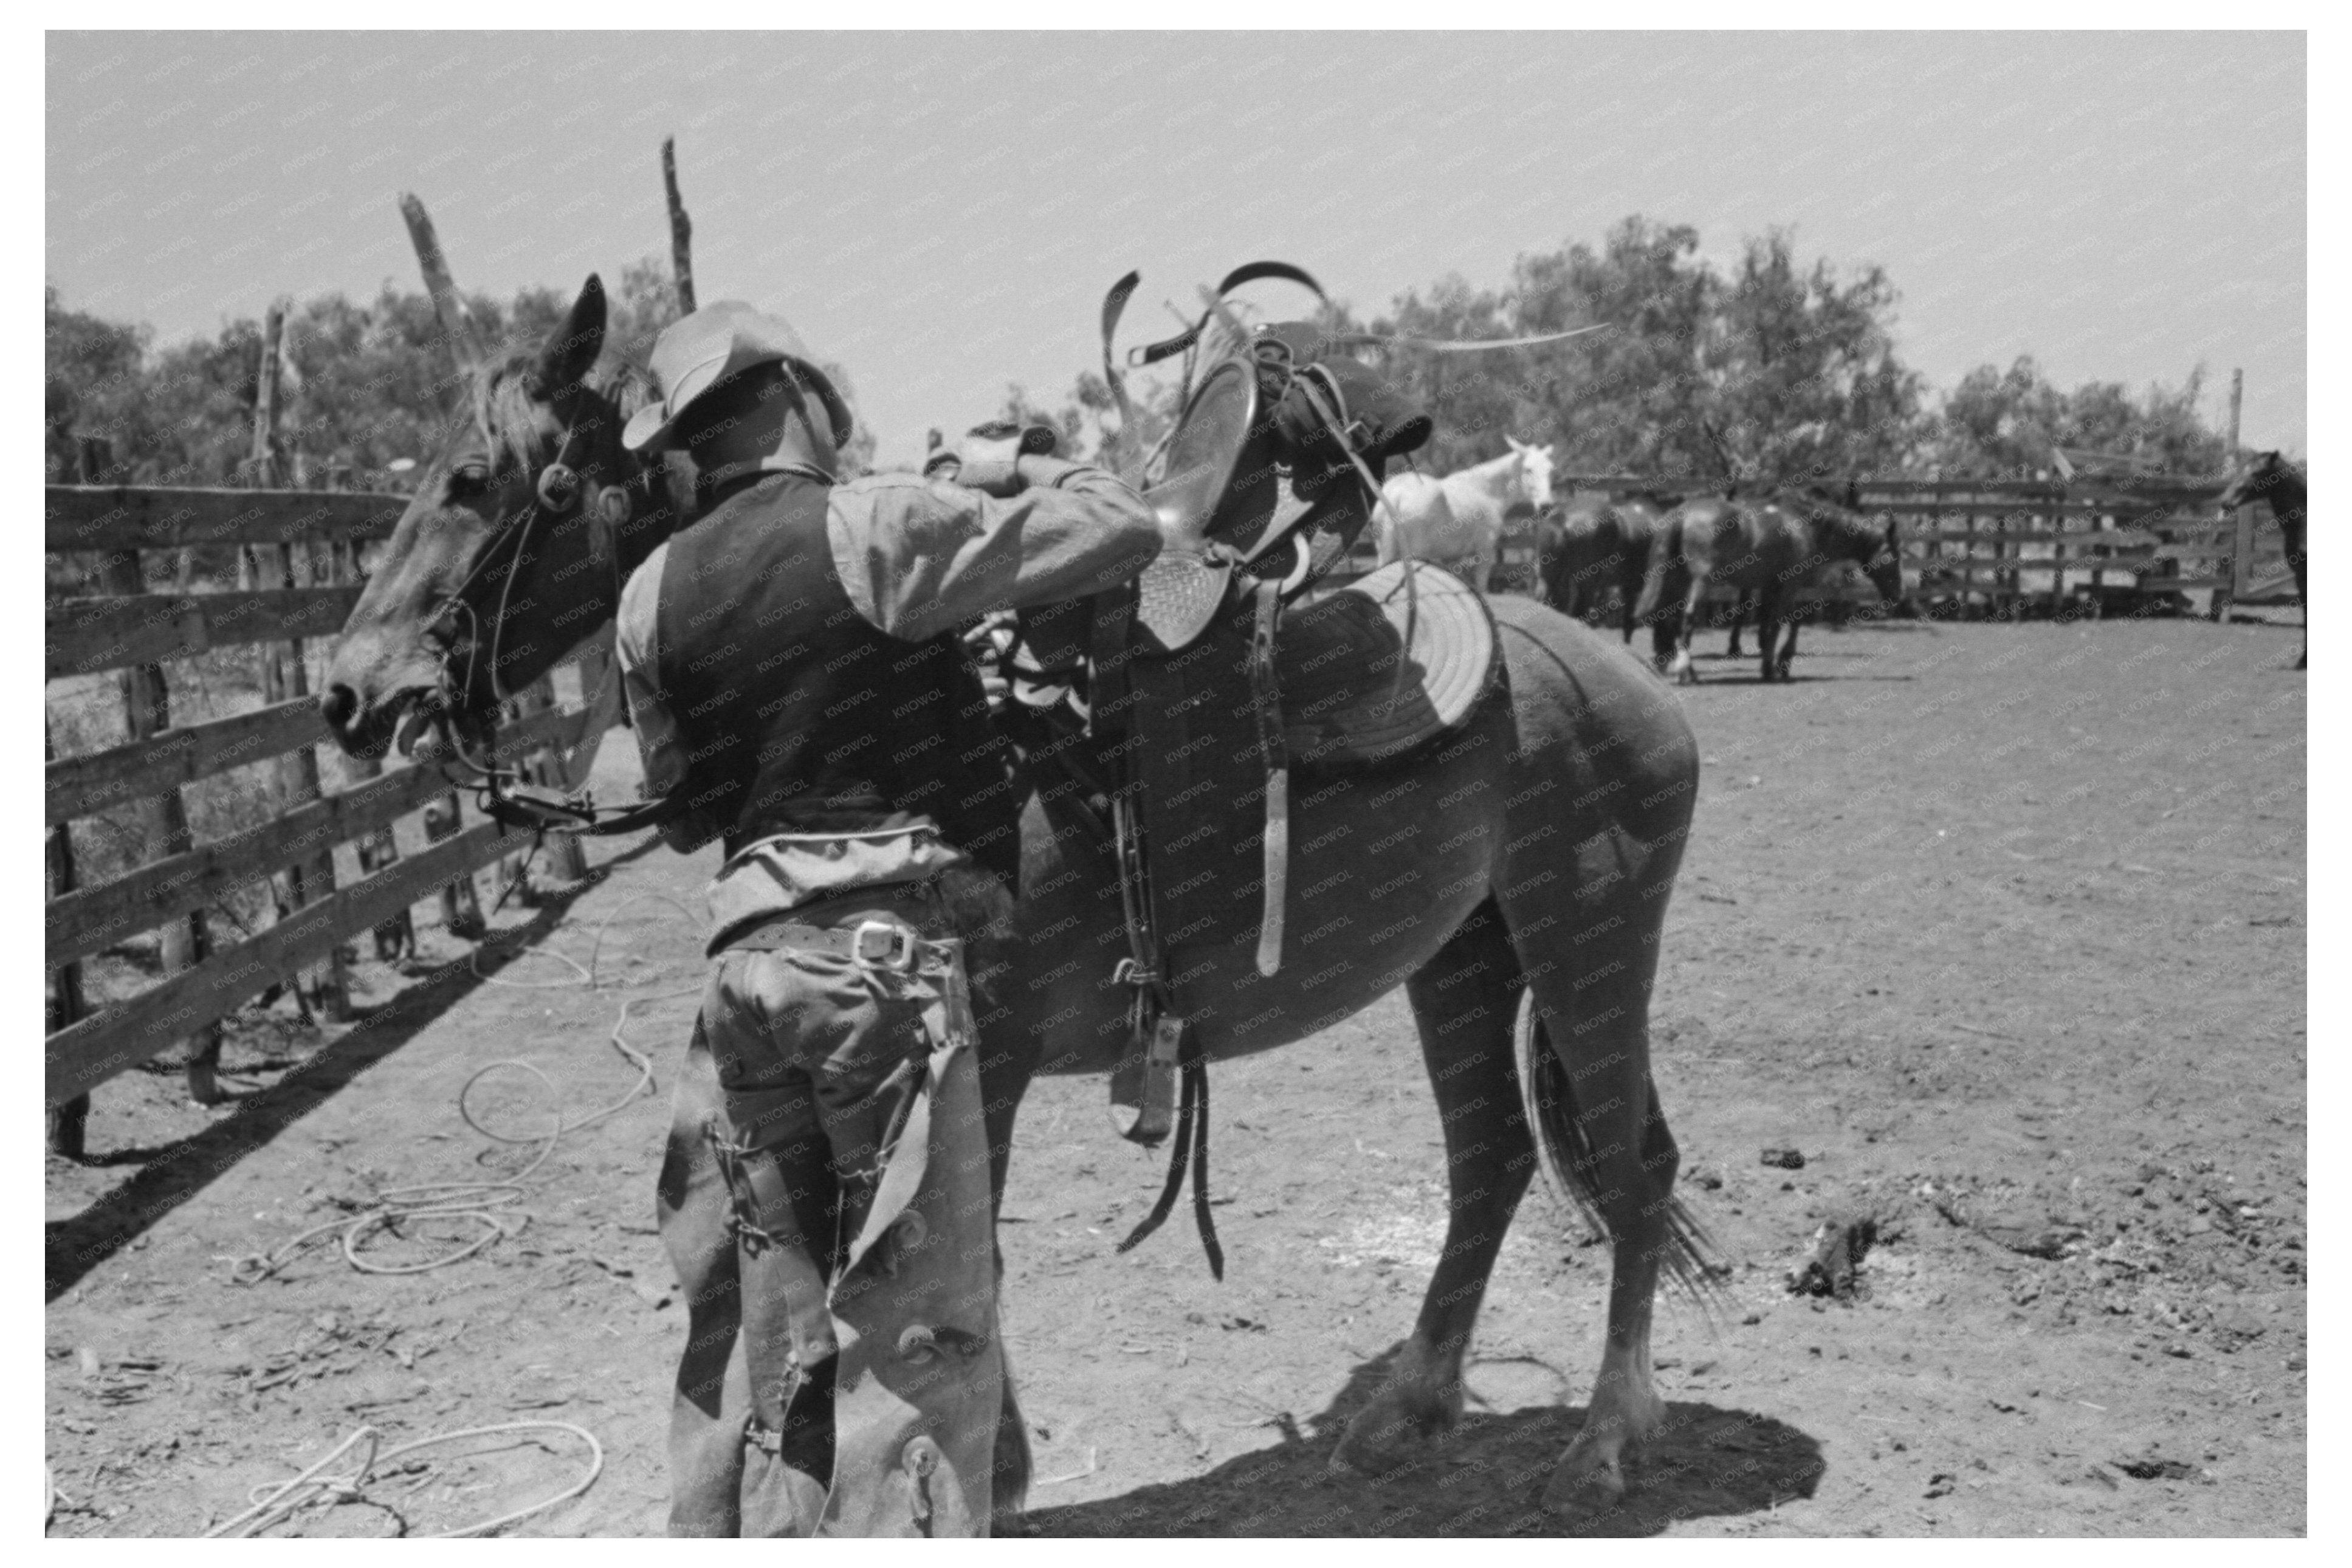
492,1206
275,1501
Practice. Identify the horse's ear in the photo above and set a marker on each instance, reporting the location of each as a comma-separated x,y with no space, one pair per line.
1513,443
571,353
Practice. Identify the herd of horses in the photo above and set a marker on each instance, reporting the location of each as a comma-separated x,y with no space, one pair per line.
1662,554
1526,933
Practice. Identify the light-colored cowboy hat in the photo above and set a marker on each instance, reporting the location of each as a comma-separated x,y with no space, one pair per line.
695,353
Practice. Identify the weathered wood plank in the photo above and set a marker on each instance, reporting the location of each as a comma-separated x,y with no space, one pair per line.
76,786
2133,492
2136,560
87,1053
91,918
2138,511
85,636
2183,535
120,517
2009,565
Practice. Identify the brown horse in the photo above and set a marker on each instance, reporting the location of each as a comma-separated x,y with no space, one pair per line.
1769,548
2270,478
1596,544
1527,856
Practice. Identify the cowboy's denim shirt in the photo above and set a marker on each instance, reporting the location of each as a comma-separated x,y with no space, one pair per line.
916,557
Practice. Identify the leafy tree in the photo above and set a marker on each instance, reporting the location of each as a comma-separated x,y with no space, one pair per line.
2005,424
1802,372
93,384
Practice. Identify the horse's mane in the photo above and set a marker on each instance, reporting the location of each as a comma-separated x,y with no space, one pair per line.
502,399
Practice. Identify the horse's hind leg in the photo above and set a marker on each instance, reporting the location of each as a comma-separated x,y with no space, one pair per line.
1465,1000
1591,953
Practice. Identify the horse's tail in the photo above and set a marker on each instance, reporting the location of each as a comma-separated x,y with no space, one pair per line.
1689,1258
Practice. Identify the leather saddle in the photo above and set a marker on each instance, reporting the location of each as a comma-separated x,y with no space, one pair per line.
1214,673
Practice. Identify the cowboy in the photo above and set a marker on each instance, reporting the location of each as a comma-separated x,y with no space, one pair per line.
800,694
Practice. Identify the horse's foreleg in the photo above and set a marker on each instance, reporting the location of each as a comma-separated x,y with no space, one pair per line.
1630,570
1465,1000
1601,1121
2296,560
1767,628
1739,613
1788,648
1694,603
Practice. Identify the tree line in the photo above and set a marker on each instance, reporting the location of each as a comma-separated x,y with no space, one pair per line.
1773,373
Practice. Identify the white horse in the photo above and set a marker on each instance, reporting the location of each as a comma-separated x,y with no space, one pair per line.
1457,522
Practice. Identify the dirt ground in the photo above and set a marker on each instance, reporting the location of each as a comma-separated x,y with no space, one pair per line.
2000,929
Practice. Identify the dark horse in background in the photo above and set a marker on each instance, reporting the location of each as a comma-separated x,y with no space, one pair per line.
1591,546
1528,853
1766,547
2271,479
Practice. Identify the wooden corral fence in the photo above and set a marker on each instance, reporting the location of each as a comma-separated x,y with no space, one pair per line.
95,535
2013,547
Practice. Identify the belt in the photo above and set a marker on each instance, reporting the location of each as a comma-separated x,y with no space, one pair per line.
875,944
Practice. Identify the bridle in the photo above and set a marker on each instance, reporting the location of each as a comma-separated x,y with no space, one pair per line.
500,792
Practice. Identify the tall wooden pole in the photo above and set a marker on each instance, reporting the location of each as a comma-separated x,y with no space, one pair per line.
2241,554
466,346
681,228
458,327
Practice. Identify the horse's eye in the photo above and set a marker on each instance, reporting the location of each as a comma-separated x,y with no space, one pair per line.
469,479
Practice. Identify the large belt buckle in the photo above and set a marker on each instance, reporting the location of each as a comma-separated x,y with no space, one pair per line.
879,944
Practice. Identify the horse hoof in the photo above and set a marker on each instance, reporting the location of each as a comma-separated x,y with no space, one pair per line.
1379,1442
1580,1491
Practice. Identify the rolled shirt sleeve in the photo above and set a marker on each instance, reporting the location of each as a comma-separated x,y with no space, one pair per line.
659,745
919,556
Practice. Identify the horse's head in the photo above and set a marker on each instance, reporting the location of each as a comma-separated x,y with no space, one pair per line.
2254,480
512,549
1849,534
1535,473
1884,566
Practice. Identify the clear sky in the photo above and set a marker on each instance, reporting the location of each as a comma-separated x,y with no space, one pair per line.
941,213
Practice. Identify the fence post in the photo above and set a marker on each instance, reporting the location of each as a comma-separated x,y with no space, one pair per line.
147,710
2241,541
69,1123
681,229
2058,554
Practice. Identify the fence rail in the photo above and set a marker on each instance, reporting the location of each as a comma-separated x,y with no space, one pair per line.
2008,543
131,631
110,516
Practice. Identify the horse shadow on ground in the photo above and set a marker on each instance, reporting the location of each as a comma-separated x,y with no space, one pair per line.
172,1173
1485,1479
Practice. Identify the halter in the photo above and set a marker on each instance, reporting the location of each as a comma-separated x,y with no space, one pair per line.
500,793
